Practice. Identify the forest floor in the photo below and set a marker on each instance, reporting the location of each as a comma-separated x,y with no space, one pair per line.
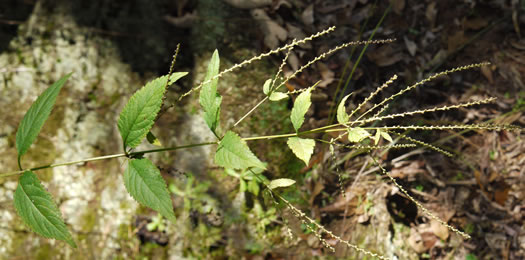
480,190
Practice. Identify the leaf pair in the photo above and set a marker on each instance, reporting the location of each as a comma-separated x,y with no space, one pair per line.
271,93
32,202
142,179
302,148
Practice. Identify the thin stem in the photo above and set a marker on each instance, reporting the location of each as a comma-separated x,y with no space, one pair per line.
105,157
251,110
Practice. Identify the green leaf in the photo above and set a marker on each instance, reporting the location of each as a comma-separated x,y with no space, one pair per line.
145,184
139,114
176,76
37,209
152,139
266,87
281,183
300,107
233,152
377,136
276,96
36,116
342,116
209,99
386,136
357,134
302,148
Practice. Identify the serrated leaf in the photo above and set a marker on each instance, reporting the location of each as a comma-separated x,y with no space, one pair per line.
386,136
145,184
357,134
281,183
36,116
302,148
139,114
300,107
152,139
209,99
276,96
266,86
37,209
233,152
342,116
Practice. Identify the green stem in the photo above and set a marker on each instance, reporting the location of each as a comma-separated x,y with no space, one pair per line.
105,157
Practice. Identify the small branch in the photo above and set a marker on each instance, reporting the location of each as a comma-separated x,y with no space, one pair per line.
105,157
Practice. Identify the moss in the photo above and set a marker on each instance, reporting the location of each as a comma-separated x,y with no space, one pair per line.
89,220
46,251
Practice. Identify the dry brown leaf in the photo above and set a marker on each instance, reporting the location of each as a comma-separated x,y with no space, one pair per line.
385,56
296,33
405,169
487,72
326,74
398,6
273,32
248,4
439,230
308,15
455,40
416,241
411,46
431,13
475,24
293,61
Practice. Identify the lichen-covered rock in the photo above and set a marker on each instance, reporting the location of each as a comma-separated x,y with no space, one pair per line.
91,196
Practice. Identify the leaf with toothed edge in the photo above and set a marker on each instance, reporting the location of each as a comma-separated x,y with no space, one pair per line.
145,184
302,148
233,152
139,114
36,116
37,209
300,107
209,99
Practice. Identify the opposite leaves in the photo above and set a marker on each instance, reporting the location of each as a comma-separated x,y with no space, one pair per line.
37,209
137,117
36,116
145,184
300,107
233,152
209,99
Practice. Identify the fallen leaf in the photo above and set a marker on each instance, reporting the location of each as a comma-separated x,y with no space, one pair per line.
248,4
293,61
411,46
439,230
398,6
431,13
385,56
455,40
273,32
475,24
487,72
326,74
308,15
